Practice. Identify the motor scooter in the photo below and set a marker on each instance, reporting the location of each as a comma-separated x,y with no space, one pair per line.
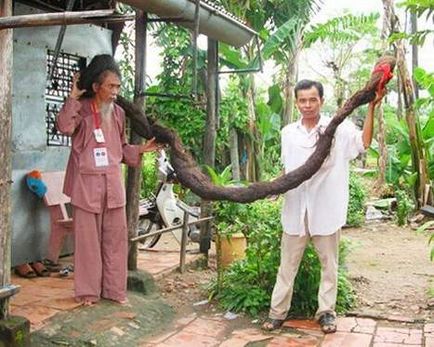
165,209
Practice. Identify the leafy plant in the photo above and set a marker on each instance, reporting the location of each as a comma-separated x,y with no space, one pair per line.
431,240
356,205
422,229
420,8
178,109
149,175
404,207
341,29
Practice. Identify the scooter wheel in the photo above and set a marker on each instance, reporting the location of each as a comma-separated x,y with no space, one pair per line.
145,227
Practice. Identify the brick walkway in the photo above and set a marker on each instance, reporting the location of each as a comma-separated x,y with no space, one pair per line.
352,332
41,298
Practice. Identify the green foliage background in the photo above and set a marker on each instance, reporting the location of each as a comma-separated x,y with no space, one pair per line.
356,206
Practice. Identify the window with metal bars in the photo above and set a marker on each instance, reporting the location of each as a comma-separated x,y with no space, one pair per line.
59,83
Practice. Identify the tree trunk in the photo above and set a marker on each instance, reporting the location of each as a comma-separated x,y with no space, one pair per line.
252,167
209,146
339,89
288,113
382,158
399,111
235,158
135,174
414,52
211,121
416,141
5,154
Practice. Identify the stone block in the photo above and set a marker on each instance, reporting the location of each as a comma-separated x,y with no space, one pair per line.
141,282
15,332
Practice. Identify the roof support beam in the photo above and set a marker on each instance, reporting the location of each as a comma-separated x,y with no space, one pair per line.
62,18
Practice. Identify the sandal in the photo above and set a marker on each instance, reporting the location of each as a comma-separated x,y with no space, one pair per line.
327,322
25,270
272,324
51,265
40,269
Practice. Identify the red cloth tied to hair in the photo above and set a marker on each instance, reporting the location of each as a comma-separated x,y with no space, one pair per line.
386,77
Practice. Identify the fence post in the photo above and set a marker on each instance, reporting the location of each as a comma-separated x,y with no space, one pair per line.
183,242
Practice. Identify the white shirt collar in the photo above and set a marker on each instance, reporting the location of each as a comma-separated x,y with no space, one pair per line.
322,124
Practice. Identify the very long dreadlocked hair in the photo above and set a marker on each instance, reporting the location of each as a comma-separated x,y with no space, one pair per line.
192,177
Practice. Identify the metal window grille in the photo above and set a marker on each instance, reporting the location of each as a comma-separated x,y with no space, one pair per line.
58,88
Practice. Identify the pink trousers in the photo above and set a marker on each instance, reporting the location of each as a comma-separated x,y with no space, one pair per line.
101,254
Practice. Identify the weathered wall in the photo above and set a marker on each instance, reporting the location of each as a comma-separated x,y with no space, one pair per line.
30,223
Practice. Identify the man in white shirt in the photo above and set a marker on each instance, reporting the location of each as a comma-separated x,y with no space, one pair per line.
317,209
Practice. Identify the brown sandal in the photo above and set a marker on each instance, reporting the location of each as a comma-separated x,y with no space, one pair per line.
272,324
51,265
40,269
25,270
327,322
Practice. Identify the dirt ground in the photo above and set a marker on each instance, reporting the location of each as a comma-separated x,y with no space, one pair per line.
388,265
390,269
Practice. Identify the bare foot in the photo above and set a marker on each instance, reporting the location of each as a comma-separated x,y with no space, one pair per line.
123,302
87,302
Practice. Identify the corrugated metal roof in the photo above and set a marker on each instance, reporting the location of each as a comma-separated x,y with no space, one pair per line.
214,20
222,10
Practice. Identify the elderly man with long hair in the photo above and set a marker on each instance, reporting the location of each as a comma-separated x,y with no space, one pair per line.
93,180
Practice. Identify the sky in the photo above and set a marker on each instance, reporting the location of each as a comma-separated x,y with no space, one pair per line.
333,8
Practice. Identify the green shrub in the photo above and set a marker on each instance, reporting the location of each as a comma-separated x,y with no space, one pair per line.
149,175
356,205
247,285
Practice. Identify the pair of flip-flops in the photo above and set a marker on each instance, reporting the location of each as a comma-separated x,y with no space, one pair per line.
31,270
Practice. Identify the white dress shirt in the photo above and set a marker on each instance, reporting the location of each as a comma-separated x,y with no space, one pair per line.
323,199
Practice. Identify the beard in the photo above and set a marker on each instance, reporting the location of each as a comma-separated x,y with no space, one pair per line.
106,110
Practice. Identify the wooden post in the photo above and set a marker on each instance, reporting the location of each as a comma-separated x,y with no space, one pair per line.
5,154
210,136
195,36
183,243
211,93
62,18
135,174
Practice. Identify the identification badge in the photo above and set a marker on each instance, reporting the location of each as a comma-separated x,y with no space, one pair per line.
100,156
99,136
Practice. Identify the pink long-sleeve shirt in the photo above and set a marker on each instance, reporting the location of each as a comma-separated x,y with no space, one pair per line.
83,179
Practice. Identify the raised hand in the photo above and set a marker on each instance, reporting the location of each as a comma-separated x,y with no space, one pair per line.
76,93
